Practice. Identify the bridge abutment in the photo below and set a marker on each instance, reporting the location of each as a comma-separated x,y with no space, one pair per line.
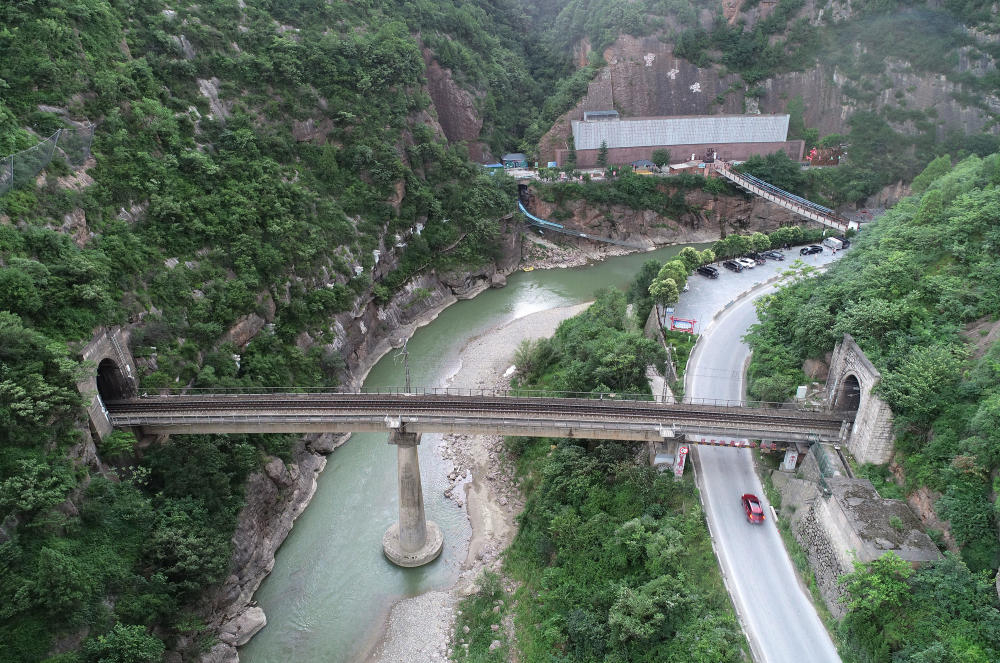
413,540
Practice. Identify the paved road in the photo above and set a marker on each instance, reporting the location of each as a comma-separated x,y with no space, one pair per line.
781,622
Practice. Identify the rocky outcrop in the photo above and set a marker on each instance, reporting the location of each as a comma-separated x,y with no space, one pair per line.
274,499
455,108
243,331
712,217
310,130
366,334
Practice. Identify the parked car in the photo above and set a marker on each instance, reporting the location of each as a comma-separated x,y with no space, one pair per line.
748,263
809,250
733,265
833,243
709,271
774,255
843,240
751,505
759,258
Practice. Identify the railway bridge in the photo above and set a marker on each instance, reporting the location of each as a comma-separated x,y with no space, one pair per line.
405,414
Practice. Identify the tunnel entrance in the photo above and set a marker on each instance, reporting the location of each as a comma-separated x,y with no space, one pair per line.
850,395
112,383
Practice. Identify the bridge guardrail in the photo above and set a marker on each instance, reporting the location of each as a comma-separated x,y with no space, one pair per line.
486,393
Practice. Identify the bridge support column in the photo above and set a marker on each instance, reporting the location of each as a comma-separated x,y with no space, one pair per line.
413,540
791,458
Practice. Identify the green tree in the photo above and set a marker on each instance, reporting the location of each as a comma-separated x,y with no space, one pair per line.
691,258
677,270
878,588
602,154
924,382
759,242
661,157
664,292
123,644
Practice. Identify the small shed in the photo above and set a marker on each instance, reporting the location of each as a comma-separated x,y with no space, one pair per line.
600,115
514,160
644,167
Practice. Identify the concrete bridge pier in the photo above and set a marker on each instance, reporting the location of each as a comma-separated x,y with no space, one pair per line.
413,540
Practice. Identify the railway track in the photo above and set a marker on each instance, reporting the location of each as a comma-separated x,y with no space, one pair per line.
224,404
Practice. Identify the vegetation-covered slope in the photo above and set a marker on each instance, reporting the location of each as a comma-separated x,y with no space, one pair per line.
919,293
248,158
615,559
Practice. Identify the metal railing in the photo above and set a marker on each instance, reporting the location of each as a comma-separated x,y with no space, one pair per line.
559,228
485,392
789,201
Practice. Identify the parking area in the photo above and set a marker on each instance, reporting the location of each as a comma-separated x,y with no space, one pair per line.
706,296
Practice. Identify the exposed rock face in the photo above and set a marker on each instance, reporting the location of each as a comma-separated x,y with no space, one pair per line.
240,629
455,108
75,224
644,78
364,335
243,331
717,216
209,89
274,498
312,131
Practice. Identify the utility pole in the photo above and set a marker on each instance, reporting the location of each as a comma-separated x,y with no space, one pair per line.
405,354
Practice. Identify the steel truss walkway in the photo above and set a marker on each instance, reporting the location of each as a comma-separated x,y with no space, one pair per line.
585,418
782,198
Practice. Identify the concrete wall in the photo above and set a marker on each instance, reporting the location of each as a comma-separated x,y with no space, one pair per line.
729,151
871,438
850,523
107,343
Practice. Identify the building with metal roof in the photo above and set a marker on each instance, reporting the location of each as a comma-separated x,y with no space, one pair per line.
514,160
733,137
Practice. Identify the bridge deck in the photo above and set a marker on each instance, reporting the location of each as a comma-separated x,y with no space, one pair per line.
552,417
800,206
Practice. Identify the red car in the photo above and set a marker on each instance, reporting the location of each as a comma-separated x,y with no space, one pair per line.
755,513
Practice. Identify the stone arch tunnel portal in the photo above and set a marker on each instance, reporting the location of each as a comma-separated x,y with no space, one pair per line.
849,398
112,383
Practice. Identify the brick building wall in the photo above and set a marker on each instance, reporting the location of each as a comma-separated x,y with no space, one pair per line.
729,151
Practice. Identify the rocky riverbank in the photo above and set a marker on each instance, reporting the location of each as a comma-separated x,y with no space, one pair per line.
419,628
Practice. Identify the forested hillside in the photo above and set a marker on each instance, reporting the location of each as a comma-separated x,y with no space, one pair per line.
248,158
614,559
919,293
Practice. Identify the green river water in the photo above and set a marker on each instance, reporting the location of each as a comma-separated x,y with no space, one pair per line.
327,598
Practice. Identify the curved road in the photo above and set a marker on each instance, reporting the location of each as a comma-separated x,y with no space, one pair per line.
778,616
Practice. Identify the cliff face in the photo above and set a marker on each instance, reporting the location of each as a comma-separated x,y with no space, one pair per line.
644,78
715,217
455,108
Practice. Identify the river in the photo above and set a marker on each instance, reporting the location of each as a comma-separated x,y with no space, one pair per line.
331,587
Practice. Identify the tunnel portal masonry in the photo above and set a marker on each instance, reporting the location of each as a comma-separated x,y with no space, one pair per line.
113,377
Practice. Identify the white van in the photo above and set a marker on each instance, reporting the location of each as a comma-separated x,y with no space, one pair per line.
833,243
